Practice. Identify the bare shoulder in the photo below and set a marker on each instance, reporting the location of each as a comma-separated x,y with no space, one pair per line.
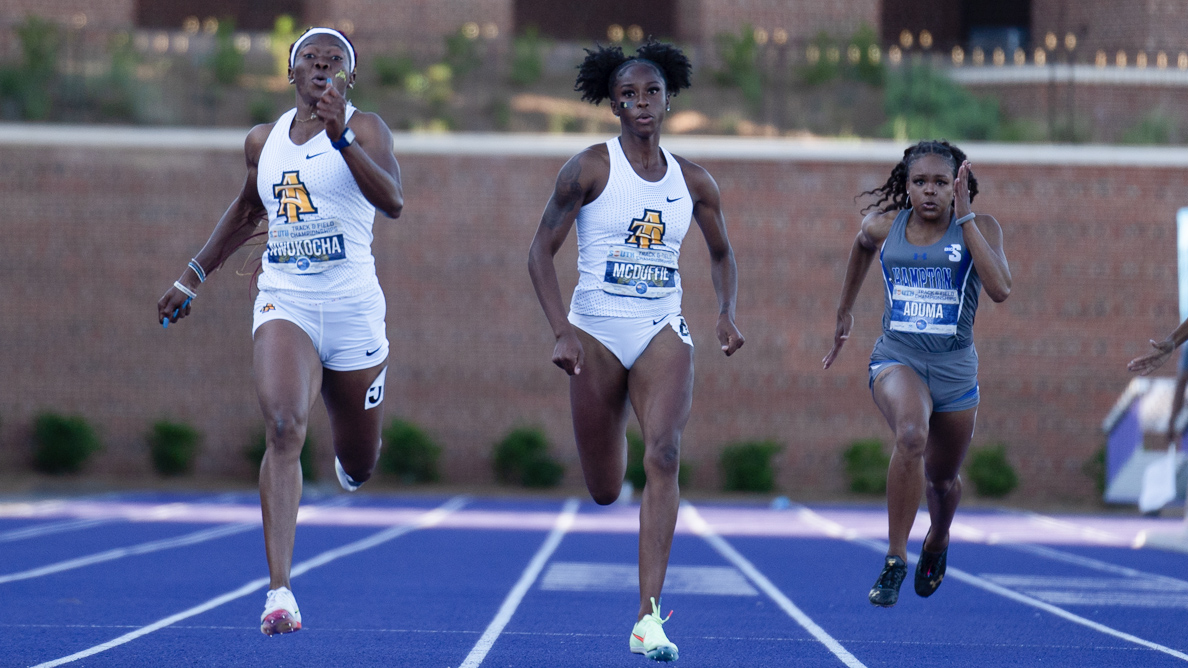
877,225
369,125
254,144
694,173
701,184
596,155
987,223
590,166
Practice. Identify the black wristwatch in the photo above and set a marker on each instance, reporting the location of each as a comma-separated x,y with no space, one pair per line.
347,138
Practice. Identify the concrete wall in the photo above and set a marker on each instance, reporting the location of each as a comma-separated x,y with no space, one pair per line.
99,222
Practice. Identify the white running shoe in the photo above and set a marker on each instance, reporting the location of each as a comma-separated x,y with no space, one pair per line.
648,637
280,613
348,483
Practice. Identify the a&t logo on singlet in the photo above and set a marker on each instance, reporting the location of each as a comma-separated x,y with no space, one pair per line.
294,198
647,231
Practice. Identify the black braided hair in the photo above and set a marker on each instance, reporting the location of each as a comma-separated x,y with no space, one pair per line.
597,73
894,191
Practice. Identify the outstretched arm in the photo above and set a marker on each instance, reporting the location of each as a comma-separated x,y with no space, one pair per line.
707,211
236,226
573,185
875,228
1162,350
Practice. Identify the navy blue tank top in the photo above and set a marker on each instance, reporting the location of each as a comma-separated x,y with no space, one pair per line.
930,292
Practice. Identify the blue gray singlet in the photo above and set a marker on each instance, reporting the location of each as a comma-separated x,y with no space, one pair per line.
930,296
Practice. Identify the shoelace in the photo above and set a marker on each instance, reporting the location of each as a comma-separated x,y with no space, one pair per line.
892,575
656,612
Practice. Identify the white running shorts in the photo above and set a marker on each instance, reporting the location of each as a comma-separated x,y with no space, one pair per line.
628,337
349,334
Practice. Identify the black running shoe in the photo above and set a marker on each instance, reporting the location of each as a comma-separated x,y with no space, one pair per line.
930,571
885,592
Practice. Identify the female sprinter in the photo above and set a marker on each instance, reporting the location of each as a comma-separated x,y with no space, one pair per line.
317,175
624,341
936,257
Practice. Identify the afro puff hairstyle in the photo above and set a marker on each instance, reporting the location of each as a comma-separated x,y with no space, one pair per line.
894,192
601,67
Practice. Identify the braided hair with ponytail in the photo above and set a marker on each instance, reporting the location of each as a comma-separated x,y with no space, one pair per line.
894,191
600,68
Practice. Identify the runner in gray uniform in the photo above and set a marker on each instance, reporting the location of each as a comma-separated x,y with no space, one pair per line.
936,256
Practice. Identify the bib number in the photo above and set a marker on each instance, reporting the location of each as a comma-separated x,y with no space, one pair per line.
308,247
635,272
924,310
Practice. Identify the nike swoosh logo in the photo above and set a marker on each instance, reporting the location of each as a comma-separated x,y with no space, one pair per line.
370,353
673,200
308,156
638,638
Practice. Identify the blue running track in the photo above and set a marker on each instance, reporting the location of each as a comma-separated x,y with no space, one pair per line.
179,580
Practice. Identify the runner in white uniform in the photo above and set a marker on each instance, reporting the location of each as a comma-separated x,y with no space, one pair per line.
624,343
317,175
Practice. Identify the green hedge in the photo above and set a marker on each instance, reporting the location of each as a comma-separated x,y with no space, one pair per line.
747,467
990,472
866,466
522,458
62,443
172,447
409,453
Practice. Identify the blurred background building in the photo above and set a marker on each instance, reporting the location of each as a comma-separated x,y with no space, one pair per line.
106,219
1017,70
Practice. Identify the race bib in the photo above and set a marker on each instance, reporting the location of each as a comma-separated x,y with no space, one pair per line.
924,310
636,272
307,247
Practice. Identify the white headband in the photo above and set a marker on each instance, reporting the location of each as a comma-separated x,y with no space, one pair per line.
324,31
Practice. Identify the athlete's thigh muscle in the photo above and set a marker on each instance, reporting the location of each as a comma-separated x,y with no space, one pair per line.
287,370
598,399
903,397
661,386
356,415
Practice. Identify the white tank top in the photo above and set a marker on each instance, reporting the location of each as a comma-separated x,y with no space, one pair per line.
629,242
319,222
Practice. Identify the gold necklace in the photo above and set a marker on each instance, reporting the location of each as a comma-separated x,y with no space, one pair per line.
313,116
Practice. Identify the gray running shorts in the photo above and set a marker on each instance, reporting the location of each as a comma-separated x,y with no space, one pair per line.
952,377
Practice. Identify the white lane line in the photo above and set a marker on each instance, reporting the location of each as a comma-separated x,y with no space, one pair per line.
1095,564
156,545
495,628
431,518
49,529
982,583
587,576
703,529
121,552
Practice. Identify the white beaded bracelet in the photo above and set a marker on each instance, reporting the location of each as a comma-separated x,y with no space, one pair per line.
184,290
966,218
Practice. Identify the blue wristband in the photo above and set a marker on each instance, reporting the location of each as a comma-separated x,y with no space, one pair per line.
347,138
966,218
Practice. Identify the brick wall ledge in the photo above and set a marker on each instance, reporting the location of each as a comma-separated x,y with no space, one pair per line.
1061,73
565,145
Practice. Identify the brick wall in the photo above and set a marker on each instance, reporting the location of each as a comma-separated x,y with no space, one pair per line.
106,15
801,20
1112,25
381,26
97,234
